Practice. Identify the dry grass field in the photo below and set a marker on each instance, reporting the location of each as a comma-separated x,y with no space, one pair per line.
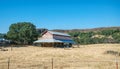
95,56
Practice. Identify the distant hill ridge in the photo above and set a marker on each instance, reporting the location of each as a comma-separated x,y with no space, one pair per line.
87,30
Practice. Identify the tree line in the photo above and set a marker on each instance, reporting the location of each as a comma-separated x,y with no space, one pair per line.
2,35
95,37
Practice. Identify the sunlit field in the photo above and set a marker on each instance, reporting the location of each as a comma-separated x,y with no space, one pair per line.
95,56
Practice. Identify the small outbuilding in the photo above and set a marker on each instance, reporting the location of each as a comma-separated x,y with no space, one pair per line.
54,39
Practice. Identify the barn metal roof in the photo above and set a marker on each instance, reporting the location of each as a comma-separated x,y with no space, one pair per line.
58,33
46,40
53,40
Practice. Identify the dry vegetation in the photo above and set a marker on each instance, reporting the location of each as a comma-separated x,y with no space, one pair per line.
84,57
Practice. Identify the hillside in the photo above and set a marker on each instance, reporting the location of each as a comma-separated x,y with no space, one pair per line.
87,30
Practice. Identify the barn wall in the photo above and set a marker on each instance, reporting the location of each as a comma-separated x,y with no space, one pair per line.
47,36
47,45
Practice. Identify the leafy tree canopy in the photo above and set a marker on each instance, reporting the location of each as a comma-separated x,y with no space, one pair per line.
2,35
22,32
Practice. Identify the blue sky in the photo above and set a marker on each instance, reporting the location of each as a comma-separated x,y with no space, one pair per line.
60,14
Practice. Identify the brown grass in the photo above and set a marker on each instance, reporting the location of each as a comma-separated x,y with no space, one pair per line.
84,57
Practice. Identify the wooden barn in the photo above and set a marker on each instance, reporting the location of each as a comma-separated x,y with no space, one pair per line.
54,39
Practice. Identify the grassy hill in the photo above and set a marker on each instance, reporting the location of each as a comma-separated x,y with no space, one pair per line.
87,30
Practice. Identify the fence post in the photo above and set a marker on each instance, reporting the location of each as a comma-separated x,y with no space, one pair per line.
52,63
116,65
8,63
116,61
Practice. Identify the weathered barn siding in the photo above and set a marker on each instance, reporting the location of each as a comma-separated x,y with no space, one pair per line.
47,35
52,45
47,44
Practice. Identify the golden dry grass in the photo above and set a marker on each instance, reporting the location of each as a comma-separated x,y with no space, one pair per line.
32,57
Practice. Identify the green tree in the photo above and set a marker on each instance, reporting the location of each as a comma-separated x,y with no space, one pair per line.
116,37
2,35
22,33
